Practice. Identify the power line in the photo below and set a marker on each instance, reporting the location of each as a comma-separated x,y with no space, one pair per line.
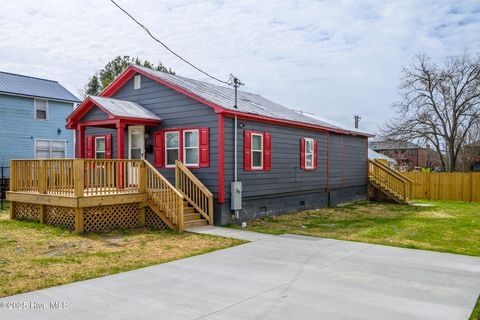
231,81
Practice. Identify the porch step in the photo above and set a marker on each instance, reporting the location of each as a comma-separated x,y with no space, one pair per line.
191,216
188,210
195,223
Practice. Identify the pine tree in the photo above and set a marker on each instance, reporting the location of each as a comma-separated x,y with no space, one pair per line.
113,69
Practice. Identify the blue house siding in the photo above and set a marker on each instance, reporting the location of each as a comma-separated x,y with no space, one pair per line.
19,129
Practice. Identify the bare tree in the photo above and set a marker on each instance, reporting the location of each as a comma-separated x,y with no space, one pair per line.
470,152
439,105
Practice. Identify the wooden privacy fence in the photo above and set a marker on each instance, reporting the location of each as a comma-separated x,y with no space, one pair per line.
457,186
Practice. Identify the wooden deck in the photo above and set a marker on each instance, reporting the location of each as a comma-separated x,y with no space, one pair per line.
95,195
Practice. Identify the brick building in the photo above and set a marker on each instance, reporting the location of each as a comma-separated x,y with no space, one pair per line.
409,156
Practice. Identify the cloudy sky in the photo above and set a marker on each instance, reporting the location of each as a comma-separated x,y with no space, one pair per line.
331,58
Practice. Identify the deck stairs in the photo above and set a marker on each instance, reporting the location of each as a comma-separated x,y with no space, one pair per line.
387,184
187,204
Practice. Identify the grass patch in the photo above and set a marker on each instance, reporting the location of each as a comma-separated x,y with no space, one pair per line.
35,256
476,311
446,227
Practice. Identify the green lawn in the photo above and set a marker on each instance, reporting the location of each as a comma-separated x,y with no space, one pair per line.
35,256
446,227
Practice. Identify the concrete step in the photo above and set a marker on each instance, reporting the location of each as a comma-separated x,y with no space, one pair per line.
191,216
195,223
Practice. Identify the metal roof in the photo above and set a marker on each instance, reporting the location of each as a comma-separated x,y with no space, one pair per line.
247,102
393,145
122,108
372,154
17,84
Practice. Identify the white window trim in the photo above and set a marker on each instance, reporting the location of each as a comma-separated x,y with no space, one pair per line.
261,150
137,82
312,166
105,146
185,148
167,148
49,140
35,109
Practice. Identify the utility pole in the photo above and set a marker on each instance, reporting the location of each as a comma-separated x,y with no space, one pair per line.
357,120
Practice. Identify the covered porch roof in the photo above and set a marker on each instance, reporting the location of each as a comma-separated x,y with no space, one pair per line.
117,111
116,114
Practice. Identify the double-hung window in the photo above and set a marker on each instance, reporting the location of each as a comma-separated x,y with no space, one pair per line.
257,151
308,154
41,109
172,147
100,147
50,149
190,147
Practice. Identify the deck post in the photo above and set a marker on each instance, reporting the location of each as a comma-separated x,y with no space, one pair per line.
43,215
210,210
12,210
79,223
42,176
79,178
142,177
180,215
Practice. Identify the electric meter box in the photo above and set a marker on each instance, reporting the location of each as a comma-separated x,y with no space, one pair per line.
236,189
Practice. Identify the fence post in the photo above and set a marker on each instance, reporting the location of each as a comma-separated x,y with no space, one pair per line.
79,177
471,186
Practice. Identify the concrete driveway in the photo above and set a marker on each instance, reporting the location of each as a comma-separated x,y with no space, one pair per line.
274,277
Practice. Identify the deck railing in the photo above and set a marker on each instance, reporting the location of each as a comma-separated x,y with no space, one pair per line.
76,177
390,179
194,191
165,196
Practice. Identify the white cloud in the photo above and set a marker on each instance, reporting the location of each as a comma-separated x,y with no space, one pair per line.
333,58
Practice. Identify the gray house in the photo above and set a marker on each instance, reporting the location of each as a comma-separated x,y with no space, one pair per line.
286,161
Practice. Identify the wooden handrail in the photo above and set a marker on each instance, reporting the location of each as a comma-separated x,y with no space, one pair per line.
165,196
390,179
393,171
194,191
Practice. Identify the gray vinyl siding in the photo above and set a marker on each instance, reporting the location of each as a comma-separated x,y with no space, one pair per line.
95,114
176,111
354,161
346,165
285,176
335,161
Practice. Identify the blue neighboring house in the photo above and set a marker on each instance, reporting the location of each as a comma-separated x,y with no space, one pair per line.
32,118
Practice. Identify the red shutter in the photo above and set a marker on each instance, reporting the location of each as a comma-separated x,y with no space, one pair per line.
158,150
302,153
204,147
267,151
247,150
315,154
108,146
90,147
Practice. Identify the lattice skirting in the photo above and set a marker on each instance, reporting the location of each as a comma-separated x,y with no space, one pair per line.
26,211
374,194
60,216
152,220
111,217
